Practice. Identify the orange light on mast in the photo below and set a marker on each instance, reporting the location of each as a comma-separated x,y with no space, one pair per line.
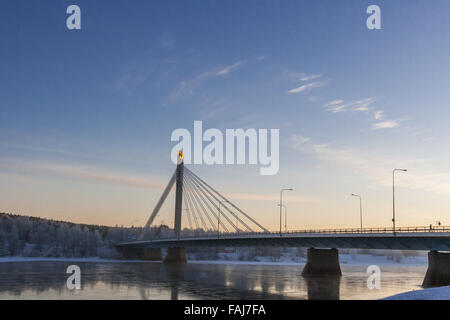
180,155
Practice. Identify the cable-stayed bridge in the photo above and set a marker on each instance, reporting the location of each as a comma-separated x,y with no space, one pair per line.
205,207
226,225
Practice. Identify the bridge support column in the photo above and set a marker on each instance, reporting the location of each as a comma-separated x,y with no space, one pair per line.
175,255
438,273
178,199
322,262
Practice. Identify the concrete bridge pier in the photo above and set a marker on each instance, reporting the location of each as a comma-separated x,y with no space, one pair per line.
323,287
438,273
322,262
176,255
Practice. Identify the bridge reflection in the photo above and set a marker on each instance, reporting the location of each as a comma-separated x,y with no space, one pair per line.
159,281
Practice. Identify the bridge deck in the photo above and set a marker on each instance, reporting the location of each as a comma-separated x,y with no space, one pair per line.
416,238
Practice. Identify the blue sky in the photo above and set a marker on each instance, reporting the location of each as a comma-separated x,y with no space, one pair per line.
86,116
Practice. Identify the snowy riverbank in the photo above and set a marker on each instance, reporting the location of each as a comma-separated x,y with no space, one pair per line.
441,293
85,259
345,260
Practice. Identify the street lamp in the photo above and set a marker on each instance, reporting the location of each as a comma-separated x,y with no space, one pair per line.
360,208
393,197
285,217
281,204
218,219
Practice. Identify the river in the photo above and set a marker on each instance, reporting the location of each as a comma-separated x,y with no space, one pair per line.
150,280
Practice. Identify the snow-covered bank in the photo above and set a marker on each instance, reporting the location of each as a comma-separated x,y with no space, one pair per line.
441,293
344,260
366,259
88,259
259,263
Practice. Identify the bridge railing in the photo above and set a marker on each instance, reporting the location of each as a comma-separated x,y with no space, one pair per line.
381,230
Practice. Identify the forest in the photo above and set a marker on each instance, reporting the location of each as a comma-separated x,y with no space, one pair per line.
38,237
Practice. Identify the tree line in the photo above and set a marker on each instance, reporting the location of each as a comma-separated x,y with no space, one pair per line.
39,237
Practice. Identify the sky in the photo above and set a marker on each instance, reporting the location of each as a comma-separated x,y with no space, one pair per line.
87,115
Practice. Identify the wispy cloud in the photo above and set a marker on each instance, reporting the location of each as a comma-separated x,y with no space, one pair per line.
342,106
365,105
305,77
95,174
385,125
228,69
83,172
336,109
300,78
379,115
48,150
361,108
306,87
377,168
187,87
300,139
334,103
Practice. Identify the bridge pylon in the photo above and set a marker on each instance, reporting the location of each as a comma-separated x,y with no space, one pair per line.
179,194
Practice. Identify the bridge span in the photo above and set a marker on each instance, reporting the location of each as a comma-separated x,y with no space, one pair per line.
229,226
413,238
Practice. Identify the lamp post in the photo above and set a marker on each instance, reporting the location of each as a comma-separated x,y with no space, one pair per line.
285,218
393,197
281,204
360,209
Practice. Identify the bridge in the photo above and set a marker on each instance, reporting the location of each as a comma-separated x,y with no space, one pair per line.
226,225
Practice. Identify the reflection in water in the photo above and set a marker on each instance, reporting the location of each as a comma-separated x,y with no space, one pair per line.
175,276
147,280
323,288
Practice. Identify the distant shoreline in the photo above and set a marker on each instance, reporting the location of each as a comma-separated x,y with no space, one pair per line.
345,260
62,259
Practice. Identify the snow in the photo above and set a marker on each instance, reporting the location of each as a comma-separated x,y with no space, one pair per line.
367,259
286,260
441,293
344,260
88,259
231,262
